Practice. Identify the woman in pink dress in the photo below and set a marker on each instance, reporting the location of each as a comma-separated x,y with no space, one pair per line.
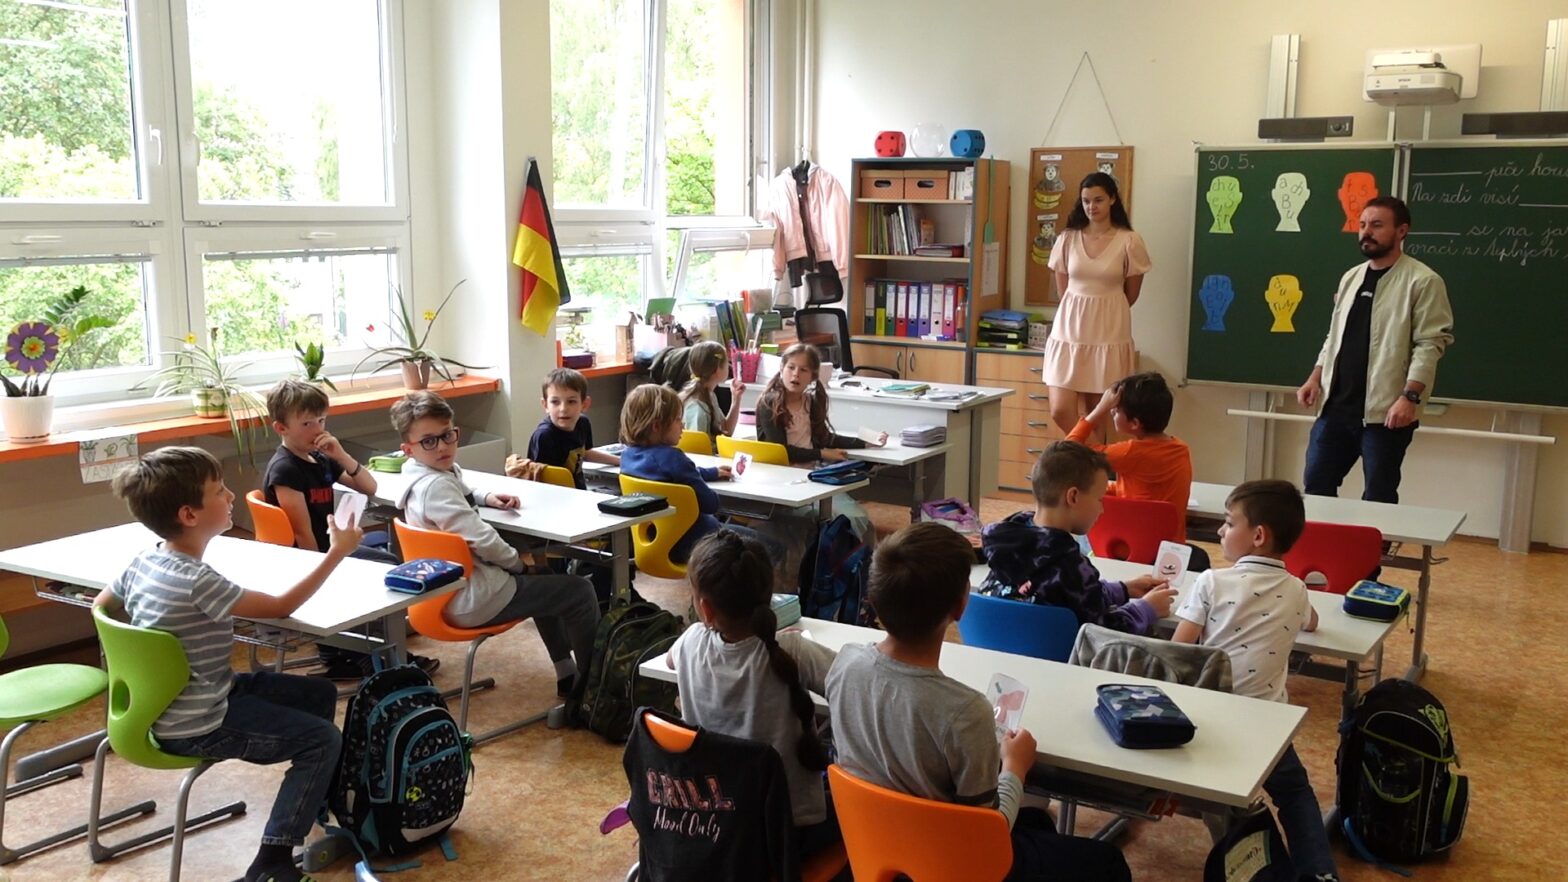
1100,263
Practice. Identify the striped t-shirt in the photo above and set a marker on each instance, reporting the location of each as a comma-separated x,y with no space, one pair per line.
169,591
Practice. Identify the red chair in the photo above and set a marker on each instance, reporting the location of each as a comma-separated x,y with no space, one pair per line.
1132,529
1343,554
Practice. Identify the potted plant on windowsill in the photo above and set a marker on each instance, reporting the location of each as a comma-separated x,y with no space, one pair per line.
311,357
410,350
214,387
36,350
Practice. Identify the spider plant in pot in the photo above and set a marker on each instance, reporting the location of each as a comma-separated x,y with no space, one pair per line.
214,387
411,349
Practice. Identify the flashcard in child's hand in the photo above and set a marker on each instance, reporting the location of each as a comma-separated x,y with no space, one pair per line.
740,466
1007,703
352,505
1170,562
872,437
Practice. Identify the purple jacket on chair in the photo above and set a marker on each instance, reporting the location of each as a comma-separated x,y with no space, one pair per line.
1044,565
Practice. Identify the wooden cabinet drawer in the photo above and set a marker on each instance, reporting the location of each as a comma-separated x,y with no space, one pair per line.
1007,369
1013,474
1023,448
1033,397
1018,421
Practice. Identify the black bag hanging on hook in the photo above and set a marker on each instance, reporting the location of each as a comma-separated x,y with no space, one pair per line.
821,282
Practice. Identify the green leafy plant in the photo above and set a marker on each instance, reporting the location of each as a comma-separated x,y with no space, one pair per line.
201,371
37,349
412,345
310,358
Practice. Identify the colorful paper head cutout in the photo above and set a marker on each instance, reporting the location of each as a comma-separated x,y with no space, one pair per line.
1216,295
1290,195
1283,296
1358,189
1223,197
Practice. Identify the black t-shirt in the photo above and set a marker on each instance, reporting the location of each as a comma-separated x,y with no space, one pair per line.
1348,397
555,446
313,478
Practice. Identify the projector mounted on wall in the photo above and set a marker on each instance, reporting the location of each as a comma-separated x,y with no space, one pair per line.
1436,75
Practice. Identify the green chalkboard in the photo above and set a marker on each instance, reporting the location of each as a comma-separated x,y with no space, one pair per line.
1289,223
1493,222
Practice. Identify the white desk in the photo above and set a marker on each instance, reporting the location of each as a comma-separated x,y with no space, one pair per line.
1237,744
974,425
548,511
927,465
763,488
1409,524
1338,635
354,595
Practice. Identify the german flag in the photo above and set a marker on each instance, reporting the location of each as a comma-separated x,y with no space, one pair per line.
544,281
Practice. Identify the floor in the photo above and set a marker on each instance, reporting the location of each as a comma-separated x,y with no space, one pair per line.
538,795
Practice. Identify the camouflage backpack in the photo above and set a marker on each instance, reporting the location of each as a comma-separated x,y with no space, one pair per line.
630,633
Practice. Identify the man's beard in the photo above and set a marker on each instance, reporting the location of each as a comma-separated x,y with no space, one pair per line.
1371,250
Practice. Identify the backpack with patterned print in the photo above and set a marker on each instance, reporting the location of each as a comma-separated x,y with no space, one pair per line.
404,767
1399,798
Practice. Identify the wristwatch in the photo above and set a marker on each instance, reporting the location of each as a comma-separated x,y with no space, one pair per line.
1412,396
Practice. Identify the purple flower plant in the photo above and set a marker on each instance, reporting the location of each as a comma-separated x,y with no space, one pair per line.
32,347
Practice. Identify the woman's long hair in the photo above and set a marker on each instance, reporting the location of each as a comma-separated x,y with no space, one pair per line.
1078,219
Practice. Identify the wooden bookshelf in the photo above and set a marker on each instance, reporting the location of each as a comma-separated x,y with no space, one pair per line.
956,221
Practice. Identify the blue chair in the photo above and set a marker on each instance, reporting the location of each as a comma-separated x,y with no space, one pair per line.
1020,628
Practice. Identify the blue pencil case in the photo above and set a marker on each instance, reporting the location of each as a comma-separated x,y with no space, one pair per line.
1376,601
1142,717
424,574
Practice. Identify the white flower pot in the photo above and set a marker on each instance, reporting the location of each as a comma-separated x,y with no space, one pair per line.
27,418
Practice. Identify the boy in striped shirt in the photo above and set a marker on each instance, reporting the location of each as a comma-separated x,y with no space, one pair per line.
263,717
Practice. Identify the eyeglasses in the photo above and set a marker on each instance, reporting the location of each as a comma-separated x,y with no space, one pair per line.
433,441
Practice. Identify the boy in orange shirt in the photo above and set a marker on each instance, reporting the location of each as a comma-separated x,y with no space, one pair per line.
1153,465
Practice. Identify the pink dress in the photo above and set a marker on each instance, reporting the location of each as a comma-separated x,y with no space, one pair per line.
1091,339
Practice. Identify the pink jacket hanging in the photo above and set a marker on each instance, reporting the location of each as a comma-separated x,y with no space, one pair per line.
829,207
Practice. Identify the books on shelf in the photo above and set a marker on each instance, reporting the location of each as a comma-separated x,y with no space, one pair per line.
913,308
961,184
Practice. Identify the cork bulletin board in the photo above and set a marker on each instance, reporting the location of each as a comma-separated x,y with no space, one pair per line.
1054,175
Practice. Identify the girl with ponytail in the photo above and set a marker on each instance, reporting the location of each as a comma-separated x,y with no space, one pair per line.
738,676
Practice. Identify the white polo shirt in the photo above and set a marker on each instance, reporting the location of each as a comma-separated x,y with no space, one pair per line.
1253,611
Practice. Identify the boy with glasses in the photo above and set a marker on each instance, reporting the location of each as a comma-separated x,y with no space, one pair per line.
437,498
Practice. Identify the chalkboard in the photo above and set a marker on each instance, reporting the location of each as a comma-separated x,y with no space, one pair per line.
1265,268
1493,222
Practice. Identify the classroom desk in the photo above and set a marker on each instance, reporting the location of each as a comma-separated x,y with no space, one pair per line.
1339,636
1237,744
1410,524
927,465
352,596
764,487
974,425
556,514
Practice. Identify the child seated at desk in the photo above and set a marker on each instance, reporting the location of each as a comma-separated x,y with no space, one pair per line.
565,436
900,723
1034,556
1153,465
738,676
1254,610
437,498
262,717
710,366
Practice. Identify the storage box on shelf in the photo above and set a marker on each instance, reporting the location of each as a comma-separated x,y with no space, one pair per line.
927,196
1026,415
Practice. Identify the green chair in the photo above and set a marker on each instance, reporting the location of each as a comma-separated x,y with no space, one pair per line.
147,670
36,695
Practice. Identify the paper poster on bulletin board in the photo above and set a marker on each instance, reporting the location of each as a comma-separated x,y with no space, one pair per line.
1054,176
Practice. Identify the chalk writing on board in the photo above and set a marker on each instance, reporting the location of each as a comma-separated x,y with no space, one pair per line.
1536,231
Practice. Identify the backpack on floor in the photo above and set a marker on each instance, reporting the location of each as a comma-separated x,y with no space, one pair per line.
834,573
612,688
1398,797
404,767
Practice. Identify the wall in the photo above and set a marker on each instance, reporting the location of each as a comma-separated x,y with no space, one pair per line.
1175,73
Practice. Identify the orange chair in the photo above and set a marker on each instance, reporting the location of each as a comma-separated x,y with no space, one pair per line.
890,834
674,738
1343,554
428,619
272,523
1132,529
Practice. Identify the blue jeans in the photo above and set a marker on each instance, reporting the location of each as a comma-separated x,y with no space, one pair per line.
272,718
1299,816
1337,443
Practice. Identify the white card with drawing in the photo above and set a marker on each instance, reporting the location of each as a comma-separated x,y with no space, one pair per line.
872,436
1170,562
740,466
1007,697
352,505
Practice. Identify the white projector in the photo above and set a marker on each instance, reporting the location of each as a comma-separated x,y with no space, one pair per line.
1399,78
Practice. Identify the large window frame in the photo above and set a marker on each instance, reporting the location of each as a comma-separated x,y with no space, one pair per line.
169,229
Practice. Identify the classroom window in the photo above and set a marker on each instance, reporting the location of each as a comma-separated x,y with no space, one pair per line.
149,150
607,281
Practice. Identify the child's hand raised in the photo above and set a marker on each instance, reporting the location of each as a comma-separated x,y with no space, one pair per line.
344,539
1111,398
737,386
329,446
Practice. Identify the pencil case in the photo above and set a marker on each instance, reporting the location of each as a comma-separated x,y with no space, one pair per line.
786,609
1376,601
633,504
390,462
1142,717
423,574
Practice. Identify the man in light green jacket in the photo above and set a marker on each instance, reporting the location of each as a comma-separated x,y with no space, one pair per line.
1390,325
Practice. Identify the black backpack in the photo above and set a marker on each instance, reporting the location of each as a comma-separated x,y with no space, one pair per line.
1399,800
834,573
404,767
612,689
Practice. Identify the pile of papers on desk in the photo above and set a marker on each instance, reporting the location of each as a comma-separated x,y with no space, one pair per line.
923,436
